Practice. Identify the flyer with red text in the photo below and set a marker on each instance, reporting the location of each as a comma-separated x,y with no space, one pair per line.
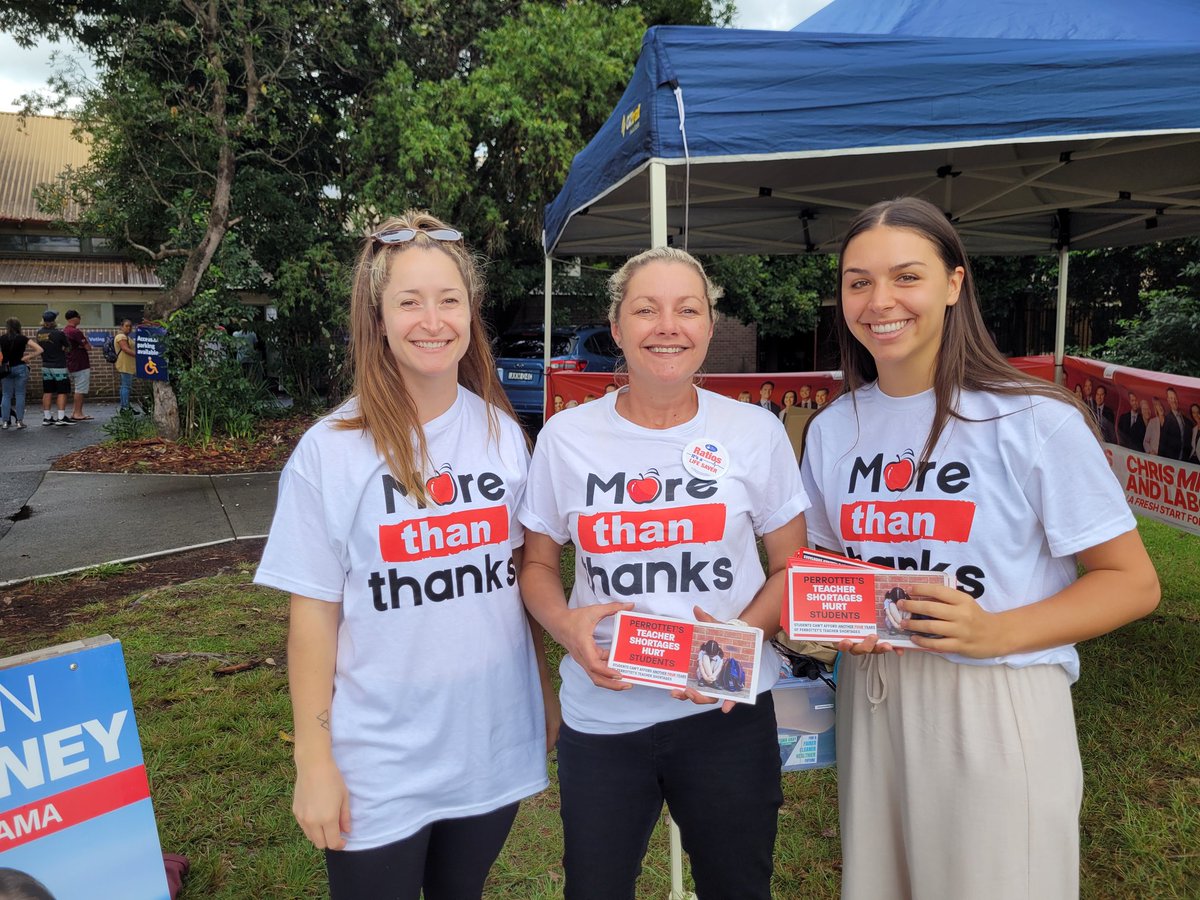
832,598
714,658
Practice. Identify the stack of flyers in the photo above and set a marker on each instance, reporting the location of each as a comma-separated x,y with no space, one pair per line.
834,598
716,659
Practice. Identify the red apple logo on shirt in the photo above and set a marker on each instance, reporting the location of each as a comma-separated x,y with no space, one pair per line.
441,486
645,487
899,474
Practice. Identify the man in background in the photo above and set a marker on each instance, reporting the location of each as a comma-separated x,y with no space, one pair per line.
1131,427
764,398
1176,440
79,364
56,382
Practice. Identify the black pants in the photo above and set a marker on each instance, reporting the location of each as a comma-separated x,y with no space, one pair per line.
449,859
719,775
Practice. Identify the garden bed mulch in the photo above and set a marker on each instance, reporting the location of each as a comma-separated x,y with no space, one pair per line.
266,452
45,606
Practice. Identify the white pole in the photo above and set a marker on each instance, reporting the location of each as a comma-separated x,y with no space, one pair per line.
1060,318
547,303
658,238
658,205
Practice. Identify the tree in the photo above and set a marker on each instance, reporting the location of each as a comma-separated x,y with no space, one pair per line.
487,143
278,122
209,116
779,294
1164,338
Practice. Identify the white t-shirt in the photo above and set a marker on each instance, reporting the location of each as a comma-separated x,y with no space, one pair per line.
612,487
1003,504
437,708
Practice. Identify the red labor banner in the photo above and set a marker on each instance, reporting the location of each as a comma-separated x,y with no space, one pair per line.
1150,423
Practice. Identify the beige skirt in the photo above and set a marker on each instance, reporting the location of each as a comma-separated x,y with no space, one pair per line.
956,781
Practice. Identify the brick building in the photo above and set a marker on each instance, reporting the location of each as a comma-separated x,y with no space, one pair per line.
42,265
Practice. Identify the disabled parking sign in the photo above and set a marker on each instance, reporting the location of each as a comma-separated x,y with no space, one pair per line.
150,346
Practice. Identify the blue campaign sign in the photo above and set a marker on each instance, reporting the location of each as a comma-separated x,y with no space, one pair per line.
150,346
96,338
73,782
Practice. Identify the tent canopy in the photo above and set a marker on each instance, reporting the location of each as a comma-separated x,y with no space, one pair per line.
1028,145
1098,20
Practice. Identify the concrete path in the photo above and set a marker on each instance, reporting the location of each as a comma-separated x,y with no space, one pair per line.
59,522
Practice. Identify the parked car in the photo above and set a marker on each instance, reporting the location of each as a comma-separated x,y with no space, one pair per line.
519,361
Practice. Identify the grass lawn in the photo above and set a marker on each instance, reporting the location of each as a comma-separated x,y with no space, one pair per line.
219,757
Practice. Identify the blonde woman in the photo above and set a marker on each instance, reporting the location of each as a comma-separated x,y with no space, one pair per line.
417,686
625,749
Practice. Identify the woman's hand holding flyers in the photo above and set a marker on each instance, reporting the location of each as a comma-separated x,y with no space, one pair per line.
577,633
321,804
961,625
691,693
871,644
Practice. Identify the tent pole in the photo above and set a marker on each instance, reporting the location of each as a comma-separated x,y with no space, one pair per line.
658,238
1060,317
658,205
547,303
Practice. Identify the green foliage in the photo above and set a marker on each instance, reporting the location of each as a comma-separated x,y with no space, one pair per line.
126,426
486,143
216,395
781,294
487,148
1164,338
306,344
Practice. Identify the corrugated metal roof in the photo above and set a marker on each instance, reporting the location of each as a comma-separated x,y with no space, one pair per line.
33,150
75,273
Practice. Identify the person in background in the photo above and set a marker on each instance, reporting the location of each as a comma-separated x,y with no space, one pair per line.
56,380
245,345
1131,427
764,397
1104,415
821,397
624,749
417,679
16,350
1154,425
1089,398
1175,441
806,401
79,365
791,408
958,768
126,363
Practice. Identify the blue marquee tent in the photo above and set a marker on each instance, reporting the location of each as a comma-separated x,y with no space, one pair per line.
1036,127
1099,20
771,142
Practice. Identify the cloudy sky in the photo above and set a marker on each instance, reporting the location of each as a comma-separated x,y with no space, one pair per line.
27,70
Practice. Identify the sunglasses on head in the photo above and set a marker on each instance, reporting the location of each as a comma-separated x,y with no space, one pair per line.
404,235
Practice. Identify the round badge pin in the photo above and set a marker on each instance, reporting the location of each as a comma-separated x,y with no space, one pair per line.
705,459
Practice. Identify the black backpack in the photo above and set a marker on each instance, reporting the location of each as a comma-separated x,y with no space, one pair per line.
109,349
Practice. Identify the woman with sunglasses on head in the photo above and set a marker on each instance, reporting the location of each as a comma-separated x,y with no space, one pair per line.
417,685
958,768
656,531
